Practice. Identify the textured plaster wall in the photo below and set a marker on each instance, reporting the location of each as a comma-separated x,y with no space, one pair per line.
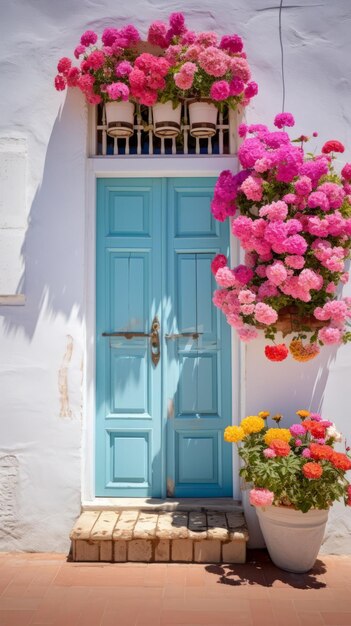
42,342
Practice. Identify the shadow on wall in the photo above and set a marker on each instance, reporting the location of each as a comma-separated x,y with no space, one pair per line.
288,386
53,250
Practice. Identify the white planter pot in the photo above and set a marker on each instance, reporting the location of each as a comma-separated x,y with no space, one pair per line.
120,119
293,538
203,118
166,119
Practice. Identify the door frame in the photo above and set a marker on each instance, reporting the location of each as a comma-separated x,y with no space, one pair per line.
139,167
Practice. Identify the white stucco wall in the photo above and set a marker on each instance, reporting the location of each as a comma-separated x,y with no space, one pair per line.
43,342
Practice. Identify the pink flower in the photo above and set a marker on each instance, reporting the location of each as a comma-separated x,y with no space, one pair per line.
242,128
225,277
334,193
251,89
232,43
236,87
243,274
308,279
306,453
297,430
109,36
298,442
207,39
78,51
318,199
73,76
252,188
284,119
250,151
247,309
185,77
303,186
346,171
123,68
276,211
118,91
219,90
329,335
269,453
246,296
265,314
276,273
247,333
261,497
88,38
240,68
295,261
177,23
218,261
214,61
60,83
64,65
157,34
295,245
95,60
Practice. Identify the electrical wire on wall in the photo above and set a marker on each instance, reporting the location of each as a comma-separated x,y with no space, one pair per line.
282,54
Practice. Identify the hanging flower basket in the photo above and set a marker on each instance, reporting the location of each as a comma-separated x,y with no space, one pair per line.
291,321
120,118
203,118
166,119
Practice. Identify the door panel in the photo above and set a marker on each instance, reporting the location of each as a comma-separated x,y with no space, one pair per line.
160,426
128,431
198,367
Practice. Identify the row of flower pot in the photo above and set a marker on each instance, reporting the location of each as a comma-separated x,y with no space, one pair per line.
166,118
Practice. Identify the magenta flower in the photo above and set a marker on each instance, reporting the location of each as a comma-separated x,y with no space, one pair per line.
88,38
284,119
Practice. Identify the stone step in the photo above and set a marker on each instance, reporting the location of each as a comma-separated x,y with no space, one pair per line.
169,504
157,535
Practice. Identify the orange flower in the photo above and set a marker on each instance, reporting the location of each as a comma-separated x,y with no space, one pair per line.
303,414
316,429
301,352
281,448
340,461
313,471
320,452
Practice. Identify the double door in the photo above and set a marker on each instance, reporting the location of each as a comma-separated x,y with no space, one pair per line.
163,357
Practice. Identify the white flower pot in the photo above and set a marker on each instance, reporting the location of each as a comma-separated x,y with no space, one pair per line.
203,118
120,118
166,119
293,538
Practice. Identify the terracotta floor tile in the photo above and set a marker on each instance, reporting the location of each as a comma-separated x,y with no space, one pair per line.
336,618
311,618
16,618
262,613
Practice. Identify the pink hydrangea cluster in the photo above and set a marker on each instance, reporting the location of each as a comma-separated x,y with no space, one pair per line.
95,75
182,64
292,216
147,78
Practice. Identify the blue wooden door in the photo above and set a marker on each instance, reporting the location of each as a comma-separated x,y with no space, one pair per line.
159,426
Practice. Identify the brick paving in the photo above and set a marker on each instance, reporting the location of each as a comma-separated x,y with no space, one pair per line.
46,589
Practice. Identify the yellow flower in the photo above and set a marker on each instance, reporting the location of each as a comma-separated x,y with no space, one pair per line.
252,424
303,414
283,434
264,414
234,434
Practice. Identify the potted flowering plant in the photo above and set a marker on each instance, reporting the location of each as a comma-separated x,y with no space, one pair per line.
296,475
294,224
103,74
209,73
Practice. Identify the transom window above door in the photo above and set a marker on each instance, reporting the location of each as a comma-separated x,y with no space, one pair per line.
144,142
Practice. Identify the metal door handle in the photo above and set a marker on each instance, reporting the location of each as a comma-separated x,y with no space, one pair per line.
155,341
154,335
195,335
